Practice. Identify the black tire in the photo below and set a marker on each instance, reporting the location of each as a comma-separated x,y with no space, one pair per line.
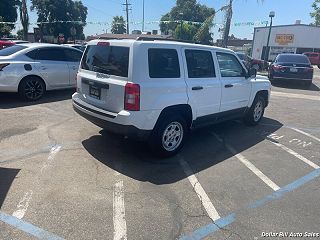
32,89
157,139
254,115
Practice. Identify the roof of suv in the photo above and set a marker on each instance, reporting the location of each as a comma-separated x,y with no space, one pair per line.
158,42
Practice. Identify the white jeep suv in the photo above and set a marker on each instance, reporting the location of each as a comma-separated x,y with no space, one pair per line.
159,90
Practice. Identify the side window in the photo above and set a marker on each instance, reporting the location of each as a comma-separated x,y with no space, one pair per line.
163,63
229,65
32,54
200,64
72,55
51,54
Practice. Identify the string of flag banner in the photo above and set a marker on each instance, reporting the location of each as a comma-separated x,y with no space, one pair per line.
237,24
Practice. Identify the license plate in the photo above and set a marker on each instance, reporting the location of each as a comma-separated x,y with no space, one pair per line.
95,92
294,70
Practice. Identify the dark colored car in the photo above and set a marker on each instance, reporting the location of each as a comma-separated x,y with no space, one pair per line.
293,67
250,62
314,58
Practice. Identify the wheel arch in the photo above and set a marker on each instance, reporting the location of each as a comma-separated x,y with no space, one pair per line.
265,95
184,110
32,76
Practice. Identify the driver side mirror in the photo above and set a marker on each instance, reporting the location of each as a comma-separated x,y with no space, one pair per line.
252,73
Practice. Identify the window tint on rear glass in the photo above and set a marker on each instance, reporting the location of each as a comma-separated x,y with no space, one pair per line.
293,59
163,63
11,50
112,60
200,64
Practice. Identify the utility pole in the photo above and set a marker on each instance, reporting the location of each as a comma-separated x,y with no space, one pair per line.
228,25
127,12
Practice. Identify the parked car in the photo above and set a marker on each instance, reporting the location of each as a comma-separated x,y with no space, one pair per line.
31,69
77,46
251,62
314,58
19,41
159,90
292,67
5,43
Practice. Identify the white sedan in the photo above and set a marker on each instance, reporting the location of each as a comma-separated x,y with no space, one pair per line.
31,69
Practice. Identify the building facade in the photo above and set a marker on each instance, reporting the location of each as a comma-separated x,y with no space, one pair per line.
297,38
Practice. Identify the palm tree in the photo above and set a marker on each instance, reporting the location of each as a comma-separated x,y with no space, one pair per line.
24,18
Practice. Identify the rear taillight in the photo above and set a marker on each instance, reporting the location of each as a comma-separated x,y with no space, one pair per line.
132,97
278,67
308,69
105,44
3,65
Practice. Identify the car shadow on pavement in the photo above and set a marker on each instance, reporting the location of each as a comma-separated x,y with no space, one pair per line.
7,177
295,85
12,100
201,151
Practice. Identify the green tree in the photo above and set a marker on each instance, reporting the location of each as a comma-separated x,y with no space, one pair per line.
62,15
118,25
8,13
20,34
24,18
316,13
189,11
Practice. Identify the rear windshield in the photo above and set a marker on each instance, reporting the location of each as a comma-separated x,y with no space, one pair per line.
112,60
293,59
11,50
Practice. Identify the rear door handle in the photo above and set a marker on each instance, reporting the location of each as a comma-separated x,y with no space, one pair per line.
197,88
43,68
228,86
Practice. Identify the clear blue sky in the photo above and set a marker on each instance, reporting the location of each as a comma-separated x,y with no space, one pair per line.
287,11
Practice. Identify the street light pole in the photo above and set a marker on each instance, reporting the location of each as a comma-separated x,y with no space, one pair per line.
143,16
266,52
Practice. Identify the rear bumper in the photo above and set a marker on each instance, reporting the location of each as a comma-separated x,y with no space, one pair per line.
291,76
106,120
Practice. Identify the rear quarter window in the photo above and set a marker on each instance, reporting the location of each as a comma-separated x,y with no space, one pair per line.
111,60
163,63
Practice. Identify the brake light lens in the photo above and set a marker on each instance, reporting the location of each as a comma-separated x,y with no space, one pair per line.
105,44
278,67
132,97
308,69
3,65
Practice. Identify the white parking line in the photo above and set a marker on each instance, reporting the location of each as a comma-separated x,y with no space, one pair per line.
294,95
23,205
207,204
297,155
119,221
304,133
249,165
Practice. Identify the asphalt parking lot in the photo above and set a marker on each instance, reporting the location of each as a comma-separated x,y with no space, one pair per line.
63,178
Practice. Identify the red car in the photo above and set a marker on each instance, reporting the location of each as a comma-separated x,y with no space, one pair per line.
314,58
4,44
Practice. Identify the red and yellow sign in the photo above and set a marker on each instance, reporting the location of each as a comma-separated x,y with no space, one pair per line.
284,39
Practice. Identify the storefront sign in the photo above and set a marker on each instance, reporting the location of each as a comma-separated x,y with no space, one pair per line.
284,39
